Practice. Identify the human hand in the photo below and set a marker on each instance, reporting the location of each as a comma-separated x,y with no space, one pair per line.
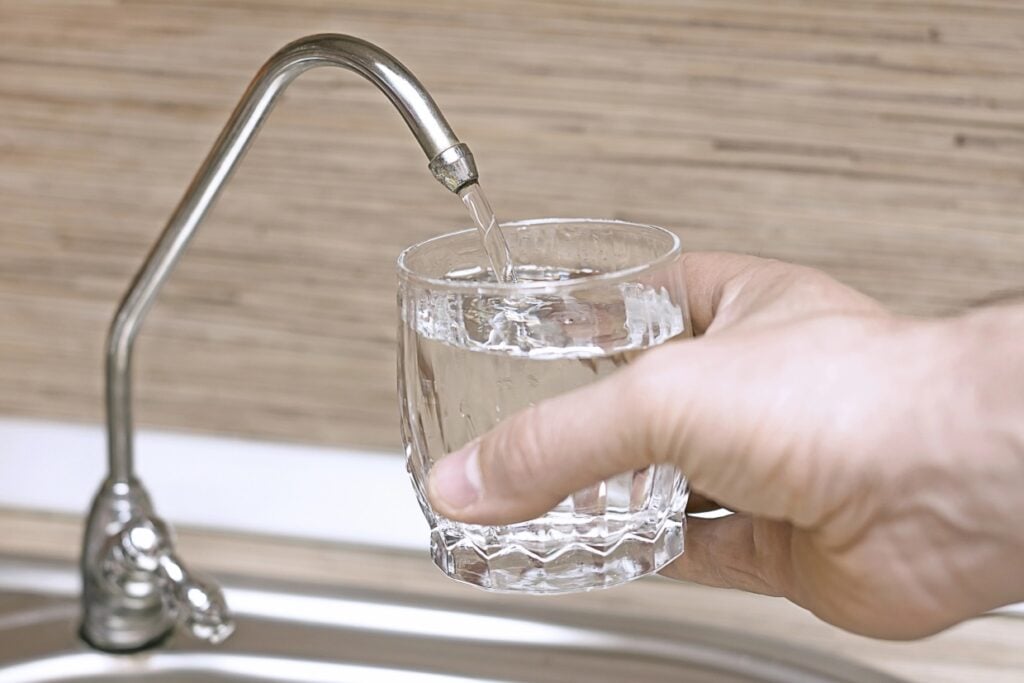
875,463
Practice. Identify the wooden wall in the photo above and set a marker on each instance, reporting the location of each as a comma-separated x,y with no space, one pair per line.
881,141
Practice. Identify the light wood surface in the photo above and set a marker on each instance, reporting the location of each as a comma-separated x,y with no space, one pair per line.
882,141
986,650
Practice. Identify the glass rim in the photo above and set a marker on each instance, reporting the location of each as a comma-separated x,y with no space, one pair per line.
408,274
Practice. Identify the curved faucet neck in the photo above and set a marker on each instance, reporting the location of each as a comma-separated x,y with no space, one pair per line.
449,160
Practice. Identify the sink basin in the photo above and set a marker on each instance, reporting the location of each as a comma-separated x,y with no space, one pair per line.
306,634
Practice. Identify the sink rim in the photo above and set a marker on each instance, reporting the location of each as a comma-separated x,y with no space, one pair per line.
346,608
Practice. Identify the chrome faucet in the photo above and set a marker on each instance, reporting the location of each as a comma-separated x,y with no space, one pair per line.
135,588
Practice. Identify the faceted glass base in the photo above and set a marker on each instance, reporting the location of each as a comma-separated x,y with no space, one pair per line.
572,568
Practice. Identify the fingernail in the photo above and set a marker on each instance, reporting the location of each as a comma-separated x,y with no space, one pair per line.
456,479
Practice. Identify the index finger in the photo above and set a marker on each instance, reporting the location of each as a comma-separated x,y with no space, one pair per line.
707,274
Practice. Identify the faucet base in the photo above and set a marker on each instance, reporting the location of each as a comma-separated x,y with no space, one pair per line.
132,615
135,588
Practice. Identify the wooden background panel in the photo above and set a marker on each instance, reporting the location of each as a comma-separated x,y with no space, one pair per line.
882,141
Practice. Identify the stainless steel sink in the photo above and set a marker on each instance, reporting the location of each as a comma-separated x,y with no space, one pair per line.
314,635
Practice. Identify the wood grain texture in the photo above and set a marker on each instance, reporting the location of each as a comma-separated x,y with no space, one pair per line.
987,649
881,141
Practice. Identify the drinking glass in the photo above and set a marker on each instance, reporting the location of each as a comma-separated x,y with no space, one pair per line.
589,296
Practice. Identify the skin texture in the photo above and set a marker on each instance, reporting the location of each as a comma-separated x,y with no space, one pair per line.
875,463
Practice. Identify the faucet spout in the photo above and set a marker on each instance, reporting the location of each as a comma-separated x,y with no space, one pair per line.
140,607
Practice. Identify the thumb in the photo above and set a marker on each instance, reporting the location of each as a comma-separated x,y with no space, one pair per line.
531,461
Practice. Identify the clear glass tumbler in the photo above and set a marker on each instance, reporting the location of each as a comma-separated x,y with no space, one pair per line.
590,296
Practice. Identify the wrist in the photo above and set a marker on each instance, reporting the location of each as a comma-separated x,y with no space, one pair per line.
990,354
990,373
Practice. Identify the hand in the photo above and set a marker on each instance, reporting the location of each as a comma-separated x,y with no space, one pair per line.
875,463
